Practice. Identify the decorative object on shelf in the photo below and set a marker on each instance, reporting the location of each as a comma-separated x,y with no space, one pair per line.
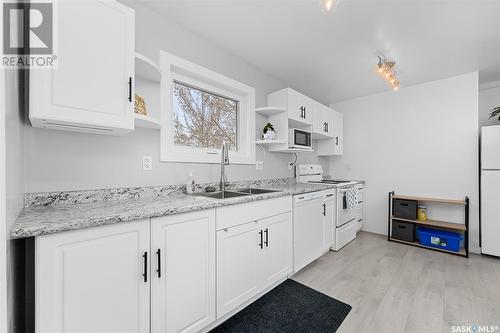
422,213
268,132
328,6
140,105
495,112
385,68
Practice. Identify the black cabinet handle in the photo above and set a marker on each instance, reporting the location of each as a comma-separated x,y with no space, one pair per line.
145,273
305,113
261,240
130,89
267,237
336,140
158,269
324,209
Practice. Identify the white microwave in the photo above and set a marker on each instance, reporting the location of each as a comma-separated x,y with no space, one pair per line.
298,138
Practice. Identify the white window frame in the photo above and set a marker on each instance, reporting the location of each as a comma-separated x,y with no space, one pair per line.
178,69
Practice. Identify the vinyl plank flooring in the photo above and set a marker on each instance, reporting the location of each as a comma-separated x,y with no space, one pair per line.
398,288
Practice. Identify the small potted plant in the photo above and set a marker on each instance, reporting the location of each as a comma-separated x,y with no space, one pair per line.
495,112
268,131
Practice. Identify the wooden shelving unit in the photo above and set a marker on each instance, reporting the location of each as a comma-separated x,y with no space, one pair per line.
456,227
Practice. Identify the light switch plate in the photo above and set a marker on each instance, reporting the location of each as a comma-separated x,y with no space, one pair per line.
147,163
259,165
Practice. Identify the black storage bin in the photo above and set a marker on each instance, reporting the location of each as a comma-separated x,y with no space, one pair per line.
403,231
405,209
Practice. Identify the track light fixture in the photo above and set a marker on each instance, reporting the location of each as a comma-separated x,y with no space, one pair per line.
385,69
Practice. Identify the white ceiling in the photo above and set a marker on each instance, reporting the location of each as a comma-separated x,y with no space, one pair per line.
332,57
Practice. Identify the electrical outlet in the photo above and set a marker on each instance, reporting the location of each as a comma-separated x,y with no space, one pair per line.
147,163
259,165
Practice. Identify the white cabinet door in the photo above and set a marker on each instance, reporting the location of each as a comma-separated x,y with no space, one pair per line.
92,280
183,272
275,261
338,120
91,90
335,145
323,127
328,223
300,107
237,281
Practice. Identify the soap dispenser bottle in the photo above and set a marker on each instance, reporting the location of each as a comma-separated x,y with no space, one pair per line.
191,184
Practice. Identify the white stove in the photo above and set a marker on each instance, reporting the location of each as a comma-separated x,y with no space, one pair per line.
313,173
347,222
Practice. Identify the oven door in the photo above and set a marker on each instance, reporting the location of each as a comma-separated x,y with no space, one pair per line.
301,139
344,215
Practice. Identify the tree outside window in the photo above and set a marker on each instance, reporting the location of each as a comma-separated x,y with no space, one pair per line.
203,119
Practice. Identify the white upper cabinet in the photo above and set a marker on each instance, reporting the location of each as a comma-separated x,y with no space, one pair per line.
334,145
93,280
323,127
183,272
92,88
299,106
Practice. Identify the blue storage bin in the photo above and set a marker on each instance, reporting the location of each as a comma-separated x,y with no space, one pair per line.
439,239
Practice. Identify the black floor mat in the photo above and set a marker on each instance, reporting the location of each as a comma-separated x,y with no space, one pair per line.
290,307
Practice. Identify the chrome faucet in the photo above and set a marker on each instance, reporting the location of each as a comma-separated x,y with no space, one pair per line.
224,161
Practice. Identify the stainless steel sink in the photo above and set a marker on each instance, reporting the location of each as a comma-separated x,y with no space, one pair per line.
235,193
222,194
252,190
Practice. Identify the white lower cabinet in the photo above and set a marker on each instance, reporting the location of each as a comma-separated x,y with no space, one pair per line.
153,275
275,257
92,280
252,257
237,251
183,272
159,274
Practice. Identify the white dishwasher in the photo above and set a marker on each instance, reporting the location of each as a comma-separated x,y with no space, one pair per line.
307,228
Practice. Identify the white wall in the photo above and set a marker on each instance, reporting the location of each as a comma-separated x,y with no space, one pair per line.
421,140
72,161
489,97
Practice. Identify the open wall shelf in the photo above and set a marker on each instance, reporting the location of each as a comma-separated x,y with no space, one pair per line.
146,68
147,85
267,110
146,121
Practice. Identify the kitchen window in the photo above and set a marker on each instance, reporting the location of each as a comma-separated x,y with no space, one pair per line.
201,109
204,119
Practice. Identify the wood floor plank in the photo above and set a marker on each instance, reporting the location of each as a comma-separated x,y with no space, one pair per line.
393,287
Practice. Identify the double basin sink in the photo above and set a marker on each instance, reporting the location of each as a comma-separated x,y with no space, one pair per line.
236,193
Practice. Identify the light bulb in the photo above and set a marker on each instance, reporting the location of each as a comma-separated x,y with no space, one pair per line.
328,6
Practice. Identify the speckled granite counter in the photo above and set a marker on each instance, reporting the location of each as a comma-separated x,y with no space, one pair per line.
64,211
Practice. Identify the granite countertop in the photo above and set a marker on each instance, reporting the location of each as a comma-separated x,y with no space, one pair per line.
48,219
